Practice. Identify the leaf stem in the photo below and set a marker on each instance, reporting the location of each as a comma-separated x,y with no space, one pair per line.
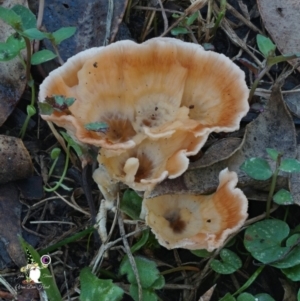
28,61
273,186
64,172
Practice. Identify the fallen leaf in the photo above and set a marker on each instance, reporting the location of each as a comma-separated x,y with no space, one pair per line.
12,73
281,19
207,295
10,212
273,128
15,160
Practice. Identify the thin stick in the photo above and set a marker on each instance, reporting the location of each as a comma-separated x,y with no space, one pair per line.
166,25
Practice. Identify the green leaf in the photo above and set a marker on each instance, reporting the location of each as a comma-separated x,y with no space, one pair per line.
191,19
229,264
283,197
28,19
63,34
46,279
273,153
201,253
16,42
148,294
7,52
257,168
96,127
159,283
265,45
42,56
298,295
131,204
290,165
45,108
246,297
55,153
179,30
263,297
292,273
34,34
263,240
30,110
227,297
10,17
95,289
77,148
147,271
141,241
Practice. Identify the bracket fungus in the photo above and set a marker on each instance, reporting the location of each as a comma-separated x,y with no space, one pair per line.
145,94
198,222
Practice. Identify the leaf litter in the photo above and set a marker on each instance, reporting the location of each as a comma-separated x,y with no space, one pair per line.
273,128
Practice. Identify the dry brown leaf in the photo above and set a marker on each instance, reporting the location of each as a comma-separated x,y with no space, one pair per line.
10,211
15,160
273,128
12,73
207,295
281,19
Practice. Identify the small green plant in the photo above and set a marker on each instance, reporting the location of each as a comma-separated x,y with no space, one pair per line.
23,21
259,169
183,26
267,49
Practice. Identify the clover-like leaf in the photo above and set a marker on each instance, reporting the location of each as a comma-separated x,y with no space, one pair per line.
283,197
292,273
227,297
131,204
147,271
42,56
290,165
265,45
148,294
263,297
95,289
45,108
28,19
257,168
246,297
229,264
263,240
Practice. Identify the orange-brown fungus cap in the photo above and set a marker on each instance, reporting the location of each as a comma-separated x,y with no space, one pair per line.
147,90
150,162
198,222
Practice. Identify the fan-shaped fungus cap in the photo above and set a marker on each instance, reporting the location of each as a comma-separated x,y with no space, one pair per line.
150,162
198,222
149,89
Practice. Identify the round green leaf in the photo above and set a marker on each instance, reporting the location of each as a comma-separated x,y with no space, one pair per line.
290,165
95,289
246,297
131,204
263,297
229,264
16,42
283,197
148,295
292,273
7,52
179,30
42,56
257,168
55,153
263,240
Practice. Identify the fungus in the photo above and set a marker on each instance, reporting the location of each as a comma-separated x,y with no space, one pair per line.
198,222
150,162
146,90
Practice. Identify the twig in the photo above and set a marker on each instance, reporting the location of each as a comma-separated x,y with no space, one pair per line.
130,256
163,15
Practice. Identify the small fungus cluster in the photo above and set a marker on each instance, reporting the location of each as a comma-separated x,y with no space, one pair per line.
149,107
